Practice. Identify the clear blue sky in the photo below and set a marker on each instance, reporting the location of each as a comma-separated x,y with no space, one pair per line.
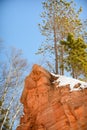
19,24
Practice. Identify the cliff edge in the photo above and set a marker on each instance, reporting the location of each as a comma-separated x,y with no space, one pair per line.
50,103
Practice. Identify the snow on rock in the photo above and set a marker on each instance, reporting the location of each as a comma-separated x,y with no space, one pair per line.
50,108
75,84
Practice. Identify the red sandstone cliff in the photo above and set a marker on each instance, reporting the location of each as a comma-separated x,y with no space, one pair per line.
47,107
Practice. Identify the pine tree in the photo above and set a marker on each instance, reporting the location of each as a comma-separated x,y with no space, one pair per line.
75,56
58,19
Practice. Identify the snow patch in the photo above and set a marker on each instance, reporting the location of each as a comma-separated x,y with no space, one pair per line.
75,84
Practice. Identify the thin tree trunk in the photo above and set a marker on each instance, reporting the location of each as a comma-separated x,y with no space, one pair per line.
7,113
61,56
73,73
62,63
55,48
14,117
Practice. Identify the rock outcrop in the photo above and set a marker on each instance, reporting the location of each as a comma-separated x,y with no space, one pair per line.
47,107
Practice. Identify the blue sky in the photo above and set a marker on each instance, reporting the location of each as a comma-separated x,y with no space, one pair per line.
19,25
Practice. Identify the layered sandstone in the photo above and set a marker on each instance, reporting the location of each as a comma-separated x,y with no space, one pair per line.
47,107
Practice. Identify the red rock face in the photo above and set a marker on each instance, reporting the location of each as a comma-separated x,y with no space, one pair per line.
49,108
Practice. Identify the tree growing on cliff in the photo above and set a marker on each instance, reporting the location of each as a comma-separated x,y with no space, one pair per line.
58,19
75,56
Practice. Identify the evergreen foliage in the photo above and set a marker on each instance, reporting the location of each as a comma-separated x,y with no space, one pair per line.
58,19
75,56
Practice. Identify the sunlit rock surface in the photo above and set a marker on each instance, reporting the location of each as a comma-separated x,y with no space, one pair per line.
49,107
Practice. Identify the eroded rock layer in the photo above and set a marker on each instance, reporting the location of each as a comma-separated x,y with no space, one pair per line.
49,108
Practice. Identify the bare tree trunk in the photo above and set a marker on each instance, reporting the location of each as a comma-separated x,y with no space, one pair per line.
73,73
6,86
62,63
7,113
56,55
14,117
55,48
9,106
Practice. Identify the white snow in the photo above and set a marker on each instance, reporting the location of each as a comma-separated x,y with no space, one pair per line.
63,80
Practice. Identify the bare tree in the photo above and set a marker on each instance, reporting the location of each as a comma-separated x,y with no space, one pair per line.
12,76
